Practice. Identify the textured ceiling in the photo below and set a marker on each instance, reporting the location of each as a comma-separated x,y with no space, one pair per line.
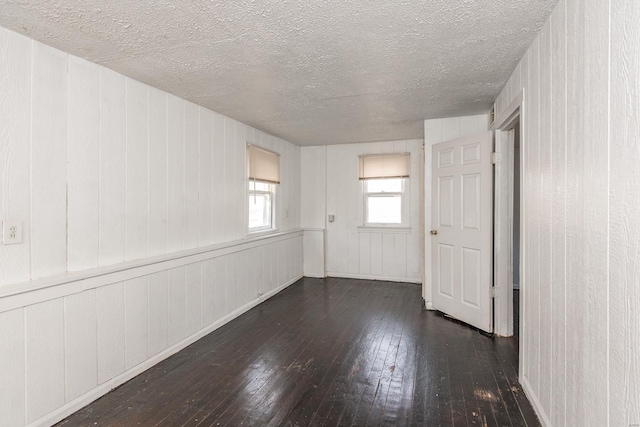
311,72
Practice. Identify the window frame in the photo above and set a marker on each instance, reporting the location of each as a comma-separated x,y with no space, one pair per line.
266,171
272,193
404,204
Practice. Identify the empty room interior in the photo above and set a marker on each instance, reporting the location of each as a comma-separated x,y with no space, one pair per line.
320,213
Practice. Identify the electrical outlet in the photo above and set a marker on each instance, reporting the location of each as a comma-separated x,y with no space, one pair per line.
11,232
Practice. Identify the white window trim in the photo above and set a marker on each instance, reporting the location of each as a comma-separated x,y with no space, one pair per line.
405,207
260,230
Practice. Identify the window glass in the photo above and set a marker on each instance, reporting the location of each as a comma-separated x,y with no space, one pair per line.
385,209
383,201
260,206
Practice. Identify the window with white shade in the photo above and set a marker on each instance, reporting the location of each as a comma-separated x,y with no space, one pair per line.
384,181
263,168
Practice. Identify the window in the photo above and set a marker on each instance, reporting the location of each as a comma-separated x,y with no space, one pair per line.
384,178
263,176
261,197
383,200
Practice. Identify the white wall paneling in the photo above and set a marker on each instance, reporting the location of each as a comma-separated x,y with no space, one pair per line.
158,172
12,378
132,202
44,358
624,222
330,186
158,312
581,148
314,252
110,330
137,212
436,131
176,174
15,102
80,346
136,321
83,168
75,347
48,161
113,202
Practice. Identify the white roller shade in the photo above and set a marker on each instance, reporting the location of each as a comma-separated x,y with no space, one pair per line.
385,166
263,165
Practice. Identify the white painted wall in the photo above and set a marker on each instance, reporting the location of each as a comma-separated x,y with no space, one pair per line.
351,251
133,206
435,132
581,230
313,164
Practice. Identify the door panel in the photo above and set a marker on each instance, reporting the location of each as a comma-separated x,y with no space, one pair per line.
462,216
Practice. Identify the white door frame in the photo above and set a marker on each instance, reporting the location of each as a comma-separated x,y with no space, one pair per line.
503,222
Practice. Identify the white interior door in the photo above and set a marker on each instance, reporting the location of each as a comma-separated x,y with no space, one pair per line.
461,236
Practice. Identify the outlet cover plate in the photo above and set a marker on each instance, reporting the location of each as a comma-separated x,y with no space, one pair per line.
11,232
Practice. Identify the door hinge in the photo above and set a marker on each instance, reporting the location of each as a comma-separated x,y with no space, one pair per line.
493,292
495,158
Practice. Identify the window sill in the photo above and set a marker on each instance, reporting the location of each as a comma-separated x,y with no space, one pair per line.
383,229
259,233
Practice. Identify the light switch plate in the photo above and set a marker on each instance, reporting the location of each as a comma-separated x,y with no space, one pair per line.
11,232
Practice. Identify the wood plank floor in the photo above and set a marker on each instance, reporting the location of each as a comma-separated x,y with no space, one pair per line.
332,352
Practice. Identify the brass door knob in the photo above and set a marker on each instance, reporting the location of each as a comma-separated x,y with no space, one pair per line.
434,232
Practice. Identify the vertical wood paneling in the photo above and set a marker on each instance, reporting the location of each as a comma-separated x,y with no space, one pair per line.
15,94
158,172
596,213
44,358
352,203
624,225
232,280
240,179
83,164
48,162
376,254
558,208
136,311
545,190
229,213
80,343
176,174
12,392
205,200
158,312
575,207
191,174
194,298
110,331
218,189
177,305
365,253
220,284
413,253
137,223
112,167
208,293
313,180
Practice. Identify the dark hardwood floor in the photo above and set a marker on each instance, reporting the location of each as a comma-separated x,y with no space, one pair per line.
333,352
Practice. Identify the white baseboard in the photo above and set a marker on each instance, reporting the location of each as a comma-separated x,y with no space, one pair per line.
373,277
104,388
537,406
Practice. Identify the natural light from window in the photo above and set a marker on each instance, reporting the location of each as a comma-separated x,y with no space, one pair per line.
383,201
260,205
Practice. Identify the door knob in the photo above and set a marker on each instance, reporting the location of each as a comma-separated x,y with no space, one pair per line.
434,232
